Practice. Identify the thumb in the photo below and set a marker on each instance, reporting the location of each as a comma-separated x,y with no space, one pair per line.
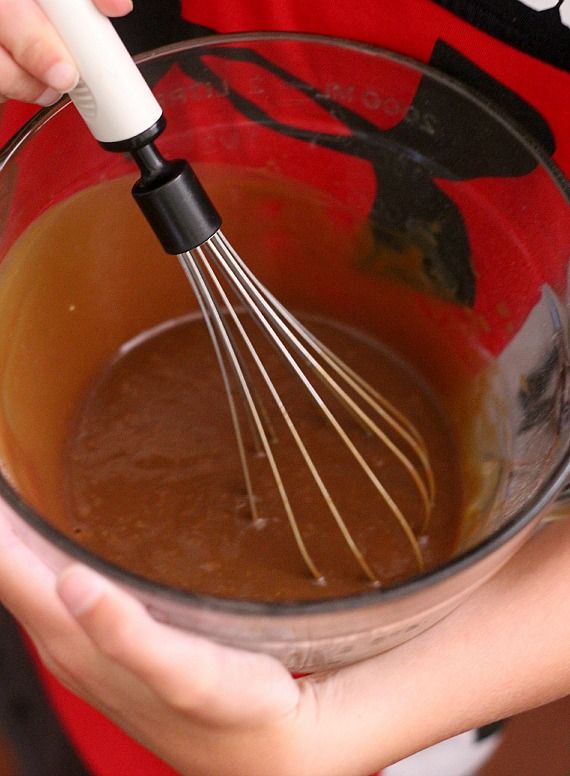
207,681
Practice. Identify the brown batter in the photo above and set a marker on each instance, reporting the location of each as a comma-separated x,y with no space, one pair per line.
134,456
154,482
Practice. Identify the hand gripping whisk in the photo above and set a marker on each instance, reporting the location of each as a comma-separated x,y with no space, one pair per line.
123,115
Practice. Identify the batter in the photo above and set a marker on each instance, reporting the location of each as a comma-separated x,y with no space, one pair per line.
154,482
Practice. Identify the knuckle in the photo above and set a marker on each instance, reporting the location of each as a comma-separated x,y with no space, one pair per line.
183,689
16,83
180,697
115,640
19,88
32,54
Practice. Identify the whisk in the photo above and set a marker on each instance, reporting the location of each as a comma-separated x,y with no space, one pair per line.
124,116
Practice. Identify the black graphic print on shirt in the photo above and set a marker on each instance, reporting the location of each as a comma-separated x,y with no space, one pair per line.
541,28
429,220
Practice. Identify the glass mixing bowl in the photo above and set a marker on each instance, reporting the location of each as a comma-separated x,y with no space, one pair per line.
331,162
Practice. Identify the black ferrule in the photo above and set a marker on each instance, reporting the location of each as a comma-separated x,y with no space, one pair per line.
173,201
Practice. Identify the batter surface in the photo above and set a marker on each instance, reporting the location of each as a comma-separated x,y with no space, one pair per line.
153,480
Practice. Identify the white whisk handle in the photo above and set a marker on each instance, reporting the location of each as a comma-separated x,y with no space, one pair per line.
112,96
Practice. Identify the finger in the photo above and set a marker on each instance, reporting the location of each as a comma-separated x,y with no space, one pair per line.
39,56
35,46
114,7
25,581
27,590
16,84
211,682
34,57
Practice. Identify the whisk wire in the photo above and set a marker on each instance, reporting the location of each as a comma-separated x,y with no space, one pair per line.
213,314
263,311
289,422
223,255
385,409
196,282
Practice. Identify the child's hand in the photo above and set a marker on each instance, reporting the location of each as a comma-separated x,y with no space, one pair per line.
203,708
212,710
34,64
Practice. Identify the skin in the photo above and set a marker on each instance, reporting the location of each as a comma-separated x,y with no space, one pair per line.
210,709
34,64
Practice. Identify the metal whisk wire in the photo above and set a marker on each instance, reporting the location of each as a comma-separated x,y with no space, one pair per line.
205,266
385,409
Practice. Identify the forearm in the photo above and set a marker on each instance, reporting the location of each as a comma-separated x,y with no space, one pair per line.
505,650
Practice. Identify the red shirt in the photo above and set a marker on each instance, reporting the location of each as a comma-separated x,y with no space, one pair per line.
536,91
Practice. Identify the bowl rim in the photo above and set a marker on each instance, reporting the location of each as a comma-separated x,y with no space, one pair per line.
522,518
